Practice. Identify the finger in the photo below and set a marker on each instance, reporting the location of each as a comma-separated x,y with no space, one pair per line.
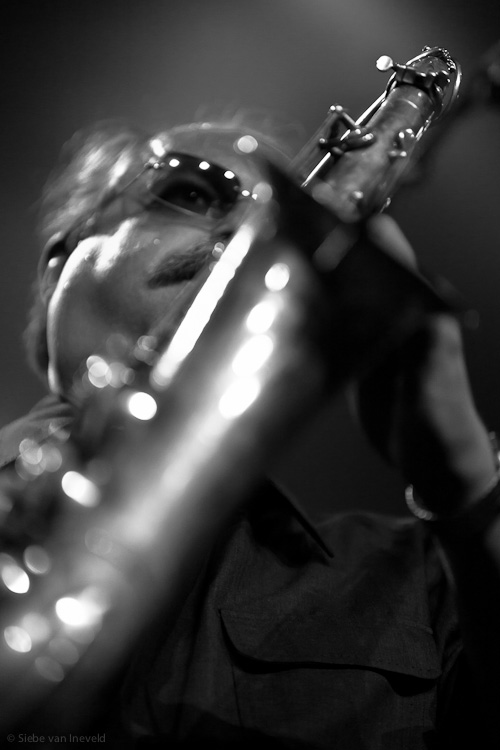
386,234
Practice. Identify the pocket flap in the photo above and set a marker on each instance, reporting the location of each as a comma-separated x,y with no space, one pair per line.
317,640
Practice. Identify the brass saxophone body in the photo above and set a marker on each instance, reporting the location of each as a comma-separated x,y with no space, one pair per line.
298,302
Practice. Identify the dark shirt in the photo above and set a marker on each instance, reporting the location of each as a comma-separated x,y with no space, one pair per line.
279,645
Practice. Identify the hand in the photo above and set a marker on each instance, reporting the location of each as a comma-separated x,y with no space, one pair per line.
418,410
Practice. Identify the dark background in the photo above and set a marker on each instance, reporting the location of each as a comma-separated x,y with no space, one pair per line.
158,63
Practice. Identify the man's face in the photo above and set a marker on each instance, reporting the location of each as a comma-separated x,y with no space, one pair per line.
120,282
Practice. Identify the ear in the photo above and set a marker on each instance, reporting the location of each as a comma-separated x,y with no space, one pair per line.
52,261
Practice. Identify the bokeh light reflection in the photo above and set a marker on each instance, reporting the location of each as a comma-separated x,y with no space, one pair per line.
253,355
17,639
239,396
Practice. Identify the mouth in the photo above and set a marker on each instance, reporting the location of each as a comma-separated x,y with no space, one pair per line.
182,265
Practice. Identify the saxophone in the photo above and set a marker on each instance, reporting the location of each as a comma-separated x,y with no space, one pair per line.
166,449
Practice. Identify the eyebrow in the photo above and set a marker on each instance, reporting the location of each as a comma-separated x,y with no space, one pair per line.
181,265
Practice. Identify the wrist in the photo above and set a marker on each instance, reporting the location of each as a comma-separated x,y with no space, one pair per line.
467,518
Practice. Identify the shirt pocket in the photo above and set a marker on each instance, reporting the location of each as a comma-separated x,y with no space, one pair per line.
317,681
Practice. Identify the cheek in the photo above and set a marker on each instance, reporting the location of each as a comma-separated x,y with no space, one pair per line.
103,292
96,296
75,324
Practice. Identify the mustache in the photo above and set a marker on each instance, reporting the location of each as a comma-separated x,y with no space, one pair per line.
182,265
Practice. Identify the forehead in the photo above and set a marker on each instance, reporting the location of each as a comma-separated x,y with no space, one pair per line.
236,149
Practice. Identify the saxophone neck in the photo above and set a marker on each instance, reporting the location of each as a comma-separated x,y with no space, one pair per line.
355,166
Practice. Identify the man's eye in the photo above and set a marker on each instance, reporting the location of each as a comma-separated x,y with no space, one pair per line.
193,197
